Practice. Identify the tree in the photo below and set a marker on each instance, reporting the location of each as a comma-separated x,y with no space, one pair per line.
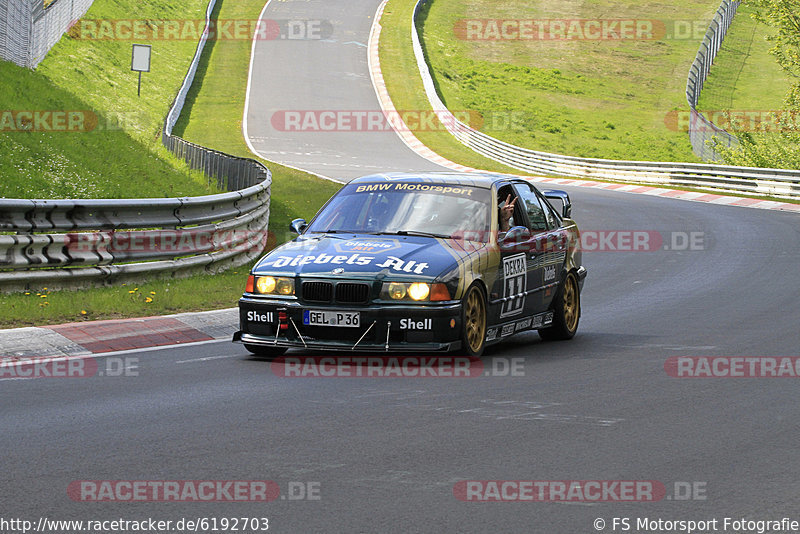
784,16
781,149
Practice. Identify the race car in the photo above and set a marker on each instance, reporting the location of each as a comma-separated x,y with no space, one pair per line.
419,262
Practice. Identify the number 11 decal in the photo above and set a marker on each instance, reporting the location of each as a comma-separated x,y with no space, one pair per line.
515,273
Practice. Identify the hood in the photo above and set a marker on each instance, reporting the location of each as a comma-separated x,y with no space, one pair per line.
394,257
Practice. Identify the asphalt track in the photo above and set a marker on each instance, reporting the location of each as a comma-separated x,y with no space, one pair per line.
386,453
322,75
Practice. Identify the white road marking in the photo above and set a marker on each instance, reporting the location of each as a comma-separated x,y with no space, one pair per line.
207,358
161,347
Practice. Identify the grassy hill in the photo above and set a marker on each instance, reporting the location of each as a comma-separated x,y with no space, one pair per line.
585,97
745,76
118,154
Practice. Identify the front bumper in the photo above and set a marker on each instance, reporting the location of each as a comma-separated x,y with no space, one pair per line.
383,328
582,272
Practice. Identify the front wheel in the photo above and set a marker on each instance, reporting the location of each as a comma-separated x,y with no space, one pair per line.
473,321
262,351
566,311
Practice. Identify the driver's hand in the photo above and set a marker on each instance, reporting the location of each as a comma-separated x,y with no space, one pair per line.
506,212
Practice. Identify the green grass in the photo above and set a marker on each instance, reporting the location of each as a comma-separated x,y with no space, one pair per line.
606,99
212,117
80,164
122,156
404,84
197,293
745,76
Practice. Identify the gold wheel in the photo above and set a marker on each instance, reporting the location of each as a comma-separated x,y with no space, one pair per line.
566,311
474,321
571,304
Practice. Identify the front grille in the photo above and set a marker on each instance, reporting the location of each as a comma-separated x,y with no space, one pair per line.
346,292
317,291
352,293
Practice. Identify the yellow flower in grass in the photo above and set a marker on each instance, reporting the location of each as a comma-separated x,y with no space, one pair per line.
148,300
83,312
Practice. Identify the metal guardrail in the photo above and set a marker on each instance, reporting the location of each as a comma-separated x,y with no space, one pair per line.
231,172
756,181
702,130
75,243
28,30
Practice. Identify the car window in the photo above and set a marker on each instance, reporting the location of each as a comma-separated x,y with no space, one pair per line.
553,220
502,196
537,215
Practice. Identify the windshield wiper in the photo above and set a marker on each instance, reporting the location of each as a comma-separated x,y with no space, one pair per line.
415,233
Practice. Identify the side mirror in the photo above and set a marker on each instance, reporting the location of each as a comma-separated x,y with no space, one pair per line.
563,197
515,236
298,226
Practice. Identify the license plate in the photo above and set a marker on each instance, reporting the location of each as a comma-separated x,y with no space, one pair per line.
331,318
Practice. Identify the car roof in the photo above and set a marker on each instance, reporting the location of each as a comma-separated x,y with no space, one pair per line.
473,179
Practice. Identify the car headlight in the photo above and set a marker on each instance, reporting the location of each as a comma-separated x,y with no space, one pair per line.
414,291
266,284
397,291
272,285
419,291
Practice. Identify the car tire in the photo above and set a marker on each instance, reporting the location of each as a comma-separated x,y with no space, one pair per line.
264,352
566,311
473,321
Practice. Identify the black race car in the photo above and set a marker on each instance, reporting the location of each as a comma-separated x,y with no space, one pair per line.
419,262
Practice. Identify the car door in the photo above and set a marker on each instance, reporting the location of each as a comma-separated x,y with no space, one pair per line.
510,289
541,269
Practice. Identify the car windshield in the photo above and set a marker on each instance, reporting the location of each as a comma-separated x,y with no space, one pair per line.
406,208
